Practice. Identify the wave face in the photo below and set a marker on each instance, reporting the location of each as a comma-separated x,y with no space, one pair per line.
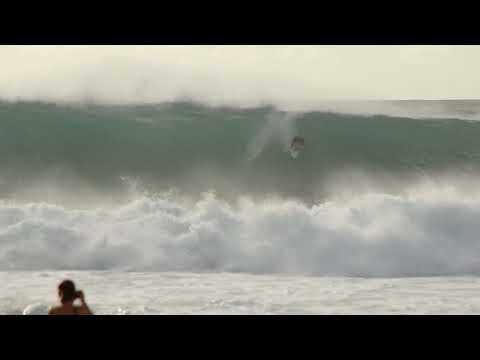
46,150
182,187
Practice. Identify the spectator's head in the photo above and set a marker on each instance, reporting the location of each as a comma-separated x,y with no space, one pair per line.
66,291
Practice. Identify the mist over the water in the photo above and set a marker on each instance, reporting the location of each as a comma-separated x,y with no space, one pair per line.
295,78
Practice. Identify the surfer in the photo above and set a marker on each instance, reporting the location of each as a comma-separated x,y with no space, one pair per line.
67,295
298,143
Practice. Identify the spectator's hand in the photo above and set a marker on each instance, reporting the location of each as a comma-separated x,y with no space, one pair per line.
81,296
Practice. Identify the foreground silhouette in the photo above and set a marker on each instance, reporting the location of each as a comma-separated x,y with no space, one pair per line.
67,295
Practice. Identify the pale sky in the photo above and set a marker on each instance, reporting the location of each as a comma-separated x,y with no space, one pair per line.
286,76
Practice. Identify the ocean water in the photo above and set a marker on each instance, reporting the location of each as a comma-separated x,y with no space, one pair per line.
182,208
153,293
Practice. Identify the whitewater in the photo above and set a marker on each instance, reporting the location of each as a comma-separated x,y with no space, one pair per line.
184,208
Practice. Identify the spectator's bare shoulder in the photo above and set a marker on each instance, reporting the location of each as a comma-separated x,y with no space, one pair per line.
84,310
53,310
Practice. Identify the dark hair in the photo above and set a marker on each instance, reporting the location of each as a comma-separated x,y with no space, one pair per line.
67,288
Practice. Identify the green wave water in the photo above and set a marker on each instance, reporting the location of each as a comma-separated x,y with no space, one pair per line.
232,152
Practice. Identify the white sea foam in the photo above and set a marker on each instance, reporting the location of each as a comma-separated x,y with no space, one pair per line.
424,232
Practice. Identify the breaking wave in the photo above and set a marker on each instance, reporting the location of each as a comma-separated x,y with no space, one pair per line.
426,232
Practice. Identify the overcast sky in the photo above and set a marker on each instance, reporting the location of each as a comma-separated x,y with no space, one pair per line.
286,76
